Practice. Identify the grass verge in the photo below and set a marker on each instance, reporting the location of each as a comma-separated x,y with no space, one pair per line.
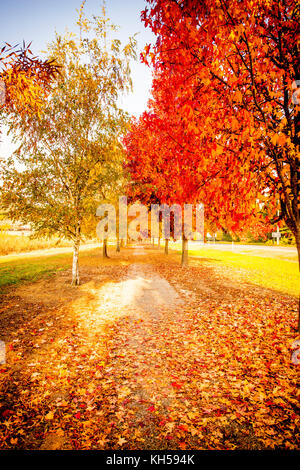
277,274
31,269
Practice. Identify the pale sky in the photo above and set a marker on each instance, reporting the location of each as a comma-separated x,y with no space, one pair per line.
37,21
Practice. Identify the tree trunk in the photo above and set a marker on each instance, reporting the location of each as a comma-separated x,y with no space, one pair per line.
158,245
153,242
184,252
166,246
118,245
122,244
104,249
75,267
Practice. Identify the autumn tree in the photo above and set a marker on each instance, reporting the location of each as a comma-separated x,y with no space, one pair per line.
234,69
66,157
156,165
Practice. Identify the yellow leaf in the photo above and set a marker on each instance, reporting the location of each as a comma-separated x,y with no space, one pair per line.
121,441
49,415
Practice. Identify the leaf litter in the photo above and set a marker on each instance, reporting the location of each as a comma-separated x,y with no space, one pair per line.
147,355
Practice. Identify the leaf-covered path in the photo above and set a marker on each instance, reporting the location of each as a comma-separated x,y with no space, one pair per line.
139,352
147,355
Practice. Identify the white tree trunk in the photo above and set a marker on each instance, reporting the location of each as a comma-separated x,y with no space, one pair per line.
75,267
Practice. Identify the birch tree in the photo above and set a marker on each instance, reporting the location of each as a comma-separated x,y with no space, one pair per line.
64,158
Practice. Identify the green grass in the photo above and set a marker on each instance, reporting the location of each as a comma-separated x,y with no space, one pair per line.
31,268
277,274
16,269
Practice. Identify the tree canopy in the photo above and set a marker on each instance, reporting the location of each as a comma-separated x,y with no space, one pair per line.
25,79
223,112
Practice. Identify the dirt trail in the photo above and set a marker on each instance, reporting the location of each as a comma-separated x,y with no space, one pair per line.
148,291
138,350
